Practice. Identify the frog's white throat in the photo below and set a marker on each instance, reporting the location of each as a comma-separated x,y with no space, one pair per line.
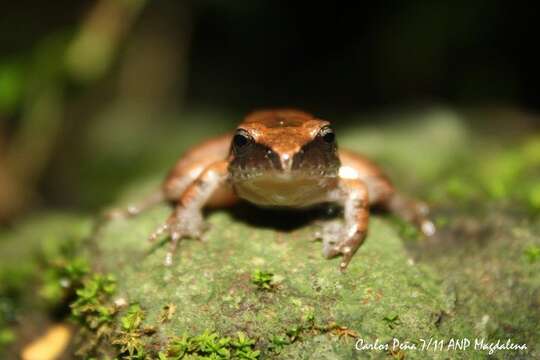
285,189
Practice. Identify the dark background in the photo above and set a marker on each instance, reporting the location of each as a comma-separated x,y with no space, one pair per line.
89,89
328,55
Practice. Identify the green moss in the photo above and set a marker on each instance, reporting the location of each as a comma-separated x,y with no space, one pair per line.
130,336
133,318
262,279
92,307
392,321
209,345
60,278
94,311
532,253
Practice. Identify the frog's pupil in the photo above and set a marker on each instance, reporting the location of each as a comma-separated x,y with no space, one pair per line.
240,140
329,137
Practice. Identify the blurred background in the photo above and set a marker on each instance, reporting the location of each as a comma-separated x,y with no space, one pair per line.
96,94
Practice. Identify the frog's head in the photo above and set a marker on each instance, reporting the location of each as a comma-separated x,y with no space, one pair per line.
281,147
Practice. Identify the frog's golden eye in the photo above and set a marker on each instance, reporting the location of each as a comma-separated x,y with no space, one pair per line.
241,140
327,134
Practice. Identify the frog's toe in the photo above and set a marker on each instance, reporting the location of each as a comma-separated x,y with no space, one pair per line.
344,250
427,227
185,223
179,225
158,232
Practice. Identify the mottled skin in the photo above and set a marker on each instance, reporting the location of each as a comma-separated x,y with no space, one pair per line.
280,158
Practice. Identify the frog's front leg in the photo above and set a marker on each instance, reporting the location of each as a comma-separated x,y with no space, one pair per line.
353,195
187,220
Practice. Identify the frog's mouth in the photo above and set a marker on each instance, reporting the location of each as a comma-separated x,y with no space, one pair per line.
285,189
278,175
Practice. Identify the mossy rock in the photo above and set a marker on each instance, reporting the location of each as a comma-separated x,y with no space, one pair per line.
409,290
395,287
382,295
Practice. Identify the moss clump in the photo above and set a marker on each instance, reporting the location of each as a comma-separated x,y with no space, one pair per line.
92,307
294,333
60,278
532,253
304,330
94,311
209,345
263,280
392,321
129,337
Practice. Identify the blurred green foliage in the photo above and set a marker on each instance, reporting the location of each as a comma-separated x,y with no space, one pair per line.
11,85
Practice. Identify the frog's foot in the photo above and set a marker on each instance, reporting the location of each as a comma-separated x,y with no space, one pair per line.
331,233
413,211
346,248
181,224
338,241
426,225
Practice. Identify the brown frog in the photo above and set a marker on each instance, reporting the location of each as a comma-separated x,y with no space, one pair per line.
279,158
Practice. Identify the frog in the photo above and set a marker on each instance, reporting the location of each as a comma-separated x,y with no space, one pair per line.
279,158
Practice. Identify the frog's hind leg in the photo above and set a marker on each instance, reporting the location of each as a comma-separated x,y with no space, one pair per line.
134,209
382,193
172,188
410,210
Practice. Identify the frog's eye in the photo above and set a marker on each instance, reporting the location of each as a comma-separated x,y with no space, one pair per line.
241,140
327,134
